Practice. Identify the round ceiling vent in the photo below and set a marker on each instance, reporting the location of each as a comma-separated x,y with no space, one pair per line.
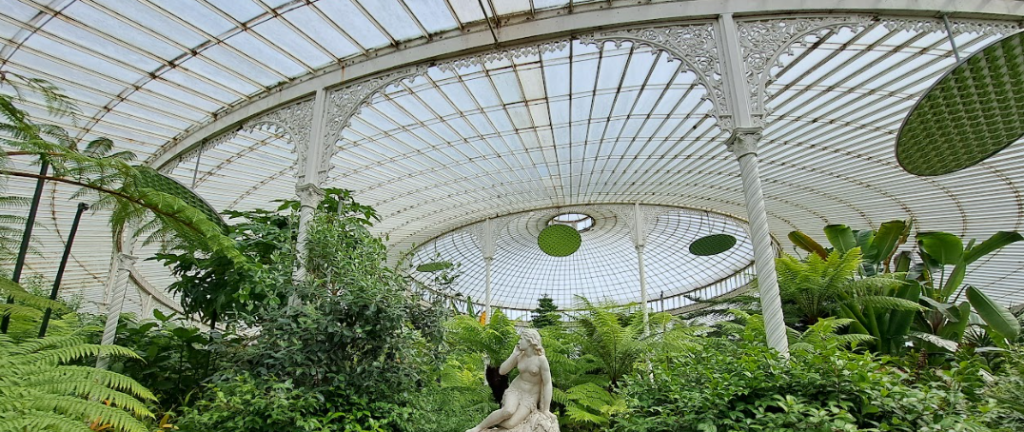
559,240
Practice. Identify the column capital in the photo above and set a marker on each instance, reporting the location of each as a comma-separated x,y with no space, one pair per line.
309,194
124,260
743,141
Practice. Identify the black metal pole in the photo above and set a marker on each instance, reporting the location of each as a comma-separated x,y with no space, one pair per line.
82,207
25,238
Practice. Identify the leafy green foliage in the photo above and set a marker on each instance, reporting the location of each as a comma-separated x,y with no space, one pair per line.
348,355
722,385
39,391
546,314
357,322
119,185
265,404
880,306
136,196
173,360
455,398
218,290
1008,391
495,340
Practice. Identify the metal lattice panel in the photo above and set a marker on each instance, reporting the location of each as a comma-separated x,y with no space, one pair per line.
468,131
605,268
970,114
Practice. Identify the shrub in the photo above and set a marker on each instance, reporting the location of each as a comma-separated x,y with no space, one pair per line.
729,386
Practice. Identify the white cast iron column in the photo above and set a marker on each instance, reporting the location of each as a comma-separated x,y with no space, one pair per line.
115,304
639,240
487,247
310,178
309,198
743,144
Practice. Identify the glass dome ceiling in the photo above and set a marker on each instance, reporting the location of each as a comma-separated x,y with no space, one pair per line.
604,269
465,110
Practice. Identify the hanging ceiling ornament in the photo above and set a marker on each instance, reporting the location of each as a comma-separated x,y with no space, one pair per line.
970,114
559,240
713,244
431,267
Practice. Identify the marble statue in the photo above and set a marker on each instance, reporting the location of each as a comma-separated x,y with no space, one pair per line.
526,404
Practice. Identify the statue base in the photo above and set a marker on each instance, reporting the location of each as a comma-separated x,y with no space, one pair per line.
536,422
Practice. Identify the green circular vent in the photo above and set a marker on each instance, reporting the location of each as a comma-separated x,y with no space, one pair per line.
713,244
970,114
559,240
434,266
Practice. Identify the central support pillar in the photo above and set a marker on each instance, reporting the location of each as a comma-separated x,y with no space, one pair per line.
639,240
487,247
643,289
309,198
743,144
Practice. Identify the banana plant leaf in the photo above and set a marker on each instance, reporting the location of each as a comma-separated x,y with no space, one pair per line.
903,262
805,242
945,248
953,329
841,237
885,242
995,315
865,238
997,241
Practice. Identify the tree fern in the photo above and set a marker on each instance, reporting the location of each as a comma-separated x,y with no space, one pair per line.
27,305
811,289
127,190
823,334
39,391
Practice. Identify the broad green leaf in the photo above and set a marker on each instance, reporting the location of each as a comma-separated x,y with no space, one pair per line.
886,240
938,341
997,241
943,308
902,262
865,239
900,321
994,314
945,248
956,277
954,329
805,242
841,237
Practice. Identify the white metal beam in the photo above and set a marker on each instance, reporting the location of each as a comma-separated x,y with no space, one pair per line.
552,24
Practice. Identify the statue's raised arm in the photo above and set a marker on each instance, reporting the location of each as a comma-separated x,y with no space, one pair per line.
526,405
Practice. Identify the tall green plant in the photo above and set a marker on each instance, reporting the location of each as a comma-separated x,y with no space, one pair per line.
495,340
131,193
40,391
878,248
546,314
96,171
940,250
880,306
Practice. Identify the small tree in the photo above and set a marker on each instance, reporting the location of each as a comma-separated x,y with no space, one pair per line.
546,314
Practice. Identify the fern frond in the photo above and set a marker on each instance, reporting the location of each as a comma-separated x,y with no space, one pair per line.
74,407
35,420
887,303
39,392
